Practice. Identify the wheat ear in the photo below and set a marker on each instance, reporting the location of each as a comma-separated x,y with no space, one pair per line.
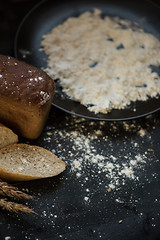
11,191
14,207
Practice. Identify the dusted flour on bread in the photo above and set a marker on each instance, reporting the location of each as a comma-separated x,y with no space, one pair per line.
104,63
23,82
26,94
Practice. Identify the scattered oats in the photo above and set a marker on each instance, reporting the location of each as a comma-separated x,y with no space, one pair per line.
78,174
98,132
86,198
45,96
111,186
133,162
119,201
120,221
127,172
142,132
44,213
76,164
49,133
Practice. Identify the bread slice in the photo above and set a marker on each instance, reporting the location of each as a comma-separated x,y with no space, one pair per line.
23,162
7,136
26,95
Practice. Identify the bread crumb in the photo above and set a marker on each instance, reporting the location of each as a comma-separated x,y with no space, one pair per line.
142,132
120,221
7,238
86,198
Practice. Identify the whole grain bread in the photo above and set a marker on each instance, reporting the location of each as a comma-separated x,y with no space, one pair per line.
26,95
7,136
23,162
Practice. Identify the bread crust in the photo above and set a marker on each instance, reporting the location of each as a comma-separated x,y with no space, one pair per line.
26,93
15,177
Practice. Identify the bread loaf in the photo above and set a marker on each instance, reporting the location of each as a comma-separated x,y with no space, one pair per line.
23,162
7,136
26,95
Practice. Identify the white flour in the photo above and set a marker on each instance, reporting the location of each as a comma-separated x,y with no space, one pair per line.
106,162
103,62
83,153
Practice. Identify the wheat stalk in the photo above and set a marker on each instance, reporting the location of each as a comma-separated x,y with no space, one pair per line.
14,207
11,191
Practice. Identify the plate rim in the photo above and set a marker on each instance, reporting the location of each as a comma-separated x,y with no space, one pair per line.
15,50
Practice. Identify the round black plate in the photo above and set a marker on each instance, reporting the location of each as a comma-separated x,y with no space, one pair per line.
48,14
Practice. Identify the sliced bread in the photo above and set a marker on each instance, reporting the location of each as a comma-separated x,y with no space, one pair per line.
7,136
23,162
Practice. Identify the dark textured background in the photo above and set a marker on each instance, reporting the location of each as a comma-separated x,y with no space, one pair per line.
62,213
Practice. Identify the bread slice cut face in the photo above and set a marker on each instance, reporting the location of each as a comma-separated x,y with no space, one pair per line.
23,162
7,136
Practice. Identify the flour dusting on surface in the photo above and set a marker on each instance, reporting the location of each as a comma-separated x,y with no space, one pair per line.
85,151
107,164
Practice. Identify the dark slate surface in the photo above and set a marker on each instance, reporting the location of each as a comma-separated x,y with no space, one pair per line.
72,206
